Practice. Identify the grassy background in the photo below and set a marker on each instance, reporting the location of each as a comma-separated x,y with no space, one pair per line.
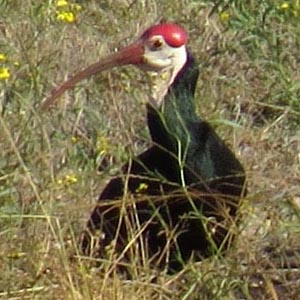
248,53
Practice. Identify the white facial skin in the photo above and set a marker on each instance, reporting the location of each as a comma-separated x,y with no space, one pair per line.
163,62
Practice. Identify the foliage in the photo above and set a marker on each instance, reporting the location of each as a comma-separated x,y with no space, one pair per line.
249,88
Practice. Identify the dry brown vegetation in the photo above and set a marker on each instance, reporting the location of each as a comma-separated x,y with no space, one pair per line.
248,53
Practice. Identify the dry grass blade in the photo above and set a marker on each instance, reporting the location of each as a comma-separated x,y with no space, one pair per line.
248,54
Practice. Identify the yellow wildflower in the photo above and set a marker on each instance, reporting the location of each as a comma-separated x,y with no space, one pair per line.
3,57
74,139
142,187
67,180
102,145
71,179
66,16
16,255
284,6
4,73
61,3
60,182
224,16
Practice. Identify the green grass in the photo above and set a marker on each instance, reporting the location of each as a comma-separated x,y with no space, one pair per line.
248,53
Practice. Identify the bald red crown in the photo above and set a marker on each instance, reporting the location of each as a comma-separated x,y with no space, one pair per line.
174,35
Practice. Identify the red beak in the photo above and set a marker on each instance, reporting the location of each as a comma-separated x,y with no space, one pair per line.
130,55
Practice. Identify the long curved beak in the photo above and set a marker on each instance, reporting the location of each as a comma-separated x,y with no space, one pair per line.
130,55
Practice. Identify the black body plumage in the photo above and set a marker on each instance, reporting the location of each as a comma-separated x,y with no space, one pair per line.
176,200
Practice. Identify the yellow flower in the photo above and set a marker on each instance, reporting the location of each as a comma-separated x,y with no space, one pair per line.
4,73
224,16
3,57
66,16
284,6
67,180
71,179
102,145
74,139
61,3
16,255
142,187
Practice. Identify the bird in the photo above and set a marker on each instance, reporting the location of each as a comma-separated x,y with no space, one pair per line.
177,201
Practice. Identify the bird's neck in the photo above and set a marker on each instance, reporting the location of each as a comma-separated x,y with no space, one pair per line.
169,124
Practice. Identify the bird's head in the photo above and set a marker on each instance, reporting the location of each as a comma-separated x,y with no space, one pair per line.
160,50
163,46
164,55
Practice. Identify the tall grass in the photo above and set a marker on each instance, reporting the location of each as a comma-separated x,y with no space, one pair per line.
248,87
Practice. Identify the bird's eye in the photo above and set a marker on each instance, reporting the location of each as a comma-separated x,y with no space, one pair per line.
156,44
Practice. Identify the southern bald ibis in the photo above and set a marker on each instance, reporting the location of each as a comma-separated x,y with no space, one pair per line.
178,200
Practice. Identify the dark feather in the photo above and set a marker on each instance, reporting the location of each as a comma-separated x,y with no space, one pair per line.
179,198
